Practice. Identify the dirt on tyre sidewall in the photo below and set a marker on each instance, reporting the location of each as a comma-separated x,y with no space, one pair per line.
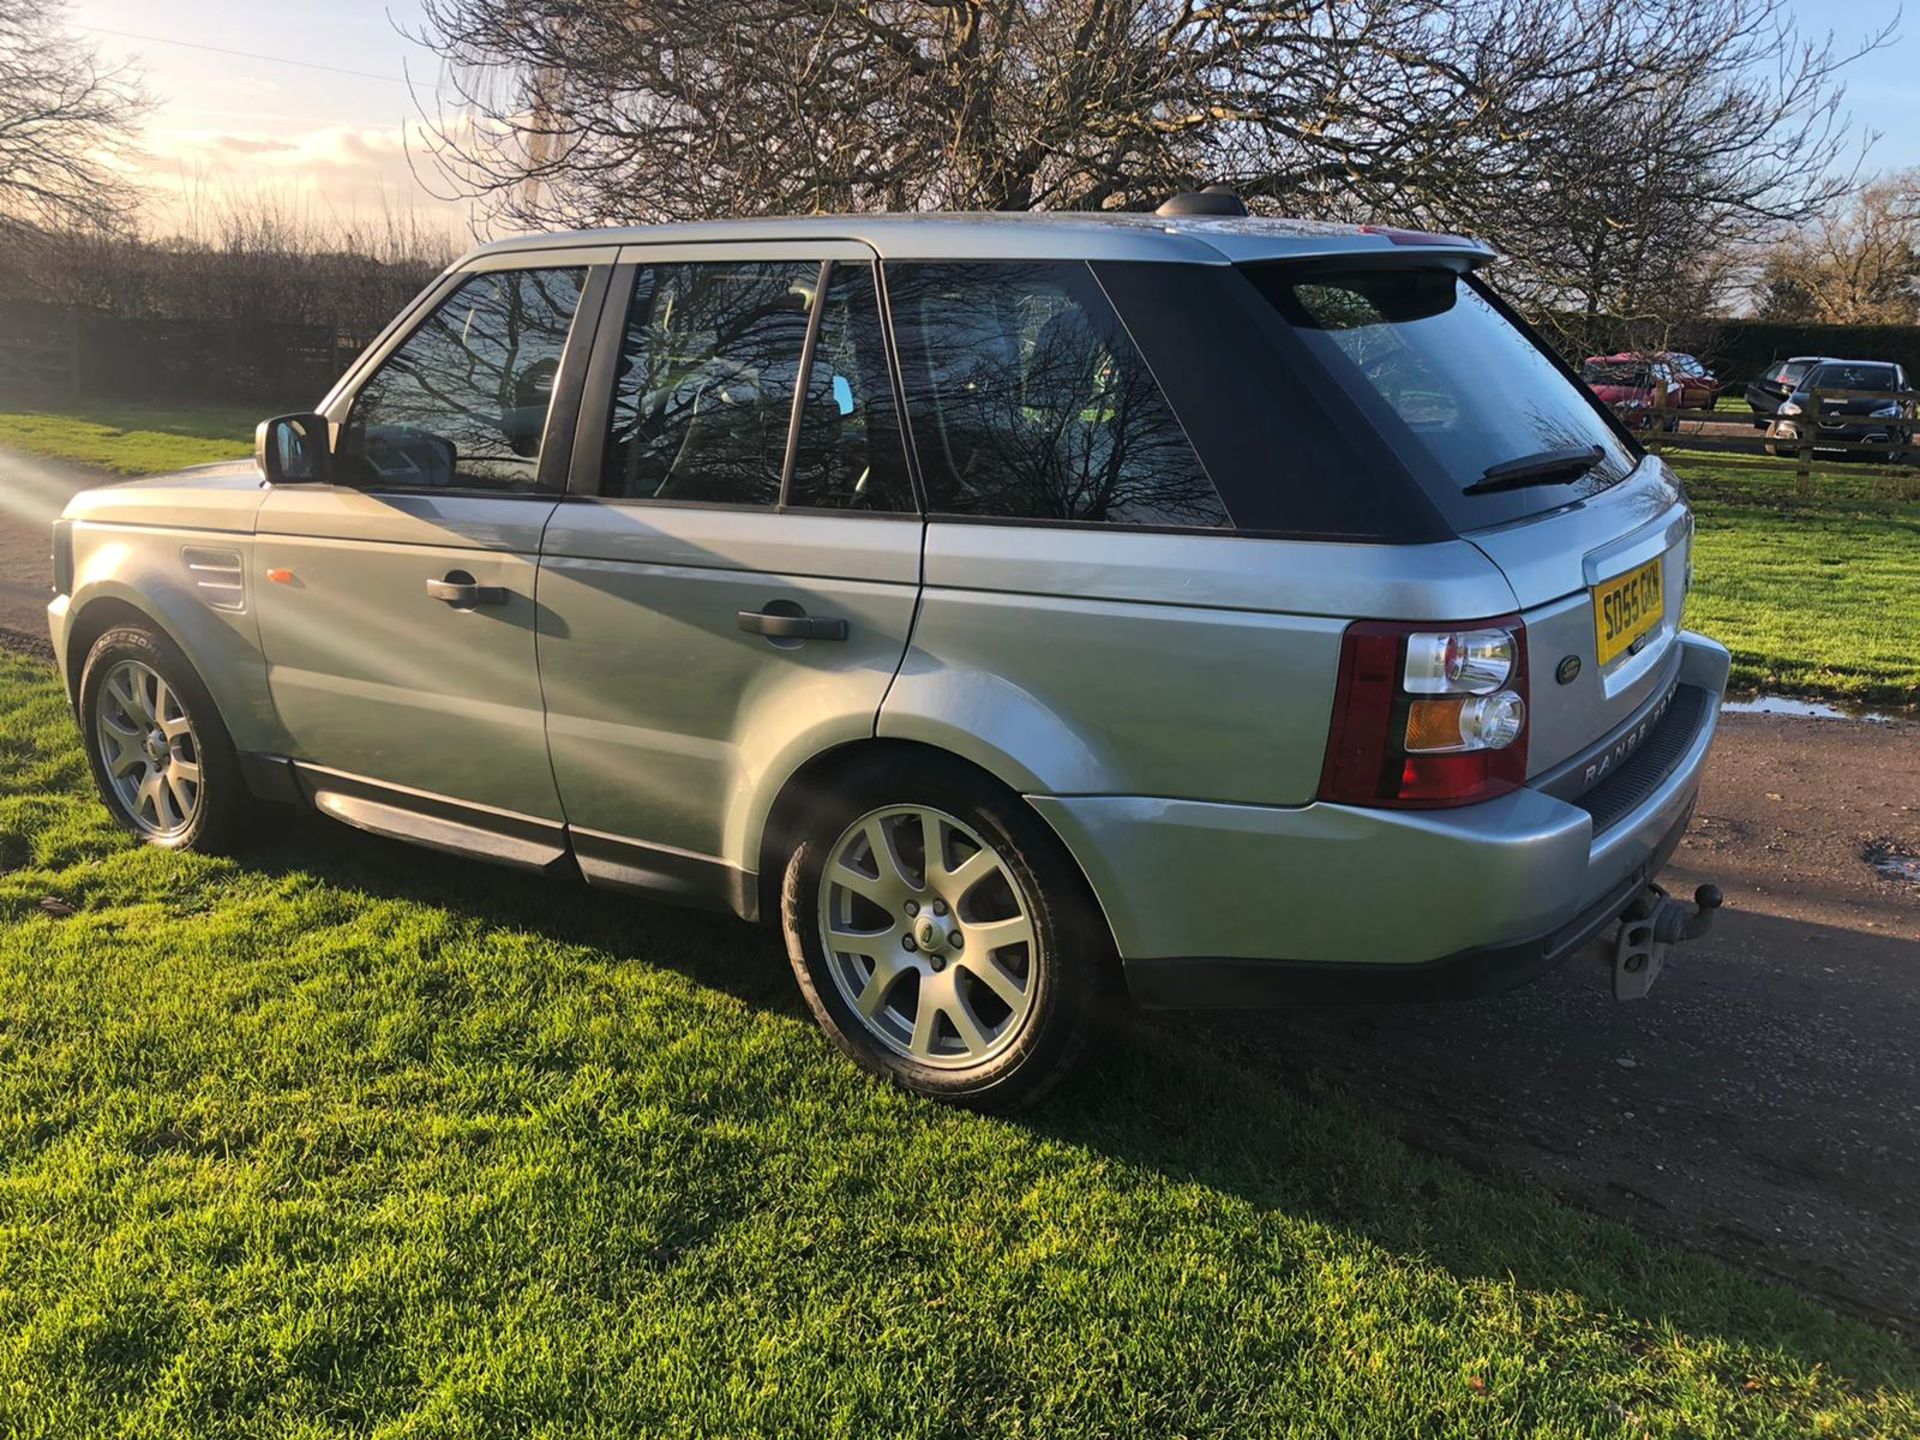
1072,962
225,806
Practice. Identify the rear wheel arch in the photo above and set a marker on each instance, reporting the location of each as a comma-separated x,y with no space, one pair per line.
818,779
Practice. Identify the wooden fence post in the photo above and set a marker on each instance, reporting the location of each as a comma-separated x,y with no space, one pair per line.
1806,423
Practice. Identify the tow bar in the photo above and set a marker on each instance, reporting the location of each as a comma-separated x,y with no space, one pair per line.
1648,926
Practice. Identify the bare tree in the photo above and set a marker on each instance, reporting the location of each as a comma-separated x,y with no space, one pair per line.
1651,211
1858,265
61,109
1601,142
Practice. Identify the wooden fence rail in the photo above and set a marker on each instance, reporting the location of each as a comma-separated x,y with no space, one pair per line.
72,354
41,353
1810,449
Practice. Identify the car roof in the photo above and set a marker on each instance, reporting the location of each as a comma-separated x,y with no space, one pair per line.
1063,235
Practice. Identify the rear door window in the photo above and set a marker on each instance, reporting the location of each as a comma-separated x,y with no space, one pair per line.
849,454
1030,402
1457,389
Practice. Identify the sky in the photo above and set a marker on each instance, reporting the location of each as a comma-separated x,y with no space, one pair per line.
328,143
325,137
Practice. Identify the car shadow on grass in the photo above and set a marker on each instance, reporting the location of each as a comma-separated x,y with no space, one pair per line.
1240,1105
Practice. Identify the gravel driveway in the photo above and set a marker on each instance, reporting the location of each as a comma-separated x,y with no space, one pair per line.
1763,1103
32,492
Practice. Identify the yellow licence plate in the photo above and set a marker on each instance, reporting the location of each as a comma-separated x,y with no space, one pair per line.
1627,608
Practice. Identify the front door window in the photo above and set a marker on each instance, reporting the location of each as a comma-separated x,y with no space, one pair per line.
462,404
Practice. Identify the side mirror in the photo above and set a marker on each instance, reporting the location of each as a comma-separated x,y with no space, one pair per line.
294,450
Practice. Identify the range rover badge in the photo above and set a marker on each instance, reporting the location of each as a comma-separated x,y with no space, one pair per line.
1565,671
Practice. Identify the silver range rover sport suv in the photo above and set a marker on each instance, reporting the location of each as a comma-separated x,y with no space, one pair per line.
1014,610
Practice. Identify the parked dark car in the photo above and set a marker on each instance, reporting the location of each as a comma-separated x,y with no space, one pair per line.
1880,417
1776,383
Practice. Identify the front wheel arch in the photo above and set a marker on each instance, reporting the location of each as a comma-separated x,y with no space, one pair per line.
220,815
94,620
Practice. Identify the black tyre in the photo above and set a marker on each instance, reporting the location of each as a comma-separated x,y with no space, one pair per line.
159,751
943,937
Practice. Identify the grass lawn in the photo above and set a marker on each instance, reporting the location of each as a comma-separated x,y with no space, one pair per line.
343,1138
131,439
1814,595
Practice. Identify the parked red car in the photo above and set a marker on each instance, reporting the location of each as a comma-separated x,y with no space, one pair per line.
1699,386
1629,385
1627,381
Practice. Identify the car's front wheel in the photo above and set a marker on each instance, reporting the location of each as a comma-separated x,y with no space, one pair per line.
163,760
943,938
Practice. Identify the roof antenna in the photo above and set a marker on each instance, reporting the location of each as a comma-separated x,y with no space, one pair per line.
1214,200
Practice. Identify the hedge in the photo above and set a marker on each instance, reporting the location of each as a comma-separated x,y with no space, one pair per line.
1738,350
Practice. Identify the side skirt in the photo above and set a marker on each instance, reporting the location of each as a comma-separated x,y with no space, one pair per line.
680,876
505,837
419,818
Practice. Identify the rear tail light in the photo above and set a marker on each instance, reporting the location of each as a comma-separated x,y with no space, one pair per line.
1426,716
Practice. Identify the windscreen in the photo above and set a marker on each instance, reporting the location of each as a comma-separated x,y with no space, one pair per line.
1851,377
1616,372
1460,393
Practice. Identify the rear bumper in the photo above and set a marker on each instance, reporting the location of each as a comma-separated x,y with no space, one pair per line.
1216,904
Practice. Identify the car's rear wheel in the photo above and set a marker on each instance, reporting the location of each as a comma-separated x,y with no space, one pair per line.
943,938
160,755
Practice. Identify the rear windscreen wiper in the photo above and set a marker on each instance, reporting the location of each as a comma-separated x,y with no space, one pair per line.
1549,467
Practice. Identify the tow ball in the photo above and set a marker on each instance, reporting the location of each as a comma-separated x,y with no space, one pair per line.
1648,926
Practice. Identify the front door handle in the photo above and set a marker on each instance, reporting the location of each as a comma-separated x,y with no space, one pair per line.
459,590
776,626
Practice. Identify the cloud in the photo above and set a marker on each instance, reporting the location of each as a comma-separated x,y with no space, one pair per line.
343,168
249,145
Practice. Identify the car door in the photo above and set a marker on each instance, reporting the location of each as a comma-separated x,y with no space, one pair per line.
399,611
729,585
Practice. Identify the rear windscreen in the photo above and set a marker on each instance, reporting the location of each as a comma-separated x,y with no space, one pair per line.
1457,389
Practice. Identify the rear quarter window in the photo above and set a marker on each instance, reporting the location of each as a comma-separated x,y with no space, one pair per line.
1030,401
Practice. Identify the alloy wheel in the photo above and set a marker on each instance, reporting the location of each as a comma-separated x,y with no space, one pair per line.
929,937
148,749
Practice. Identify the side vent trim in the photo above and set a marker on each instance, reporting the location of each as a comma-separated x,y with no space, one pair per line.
219,577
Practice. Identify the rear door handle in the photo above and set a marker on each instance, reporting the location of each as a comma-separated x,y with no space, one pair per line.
792,627
460,591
